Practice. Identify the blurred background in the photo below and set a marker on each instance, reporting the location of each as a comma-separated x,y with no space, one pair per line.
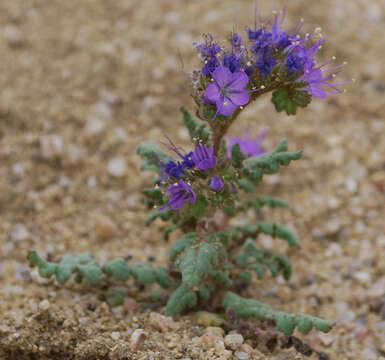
83,82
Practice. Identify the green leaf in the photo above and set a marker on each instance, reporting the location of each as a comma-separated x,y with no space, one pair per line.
198,210
117,269
91,272
154,194
255,167
181,299
237,156
152,156
82,265
286,323
275,230
197,131
166,233
163,215
143,273
184,242
115,296
162,278
245,185
196,263
289,98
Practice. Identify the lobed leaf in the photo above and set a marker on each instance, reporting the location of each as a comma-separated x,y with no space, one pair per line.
197,131
286,323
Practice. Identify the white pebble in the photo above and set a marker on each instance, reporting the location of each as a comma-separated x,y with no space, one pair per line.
117,167
44,305
20,233
233,341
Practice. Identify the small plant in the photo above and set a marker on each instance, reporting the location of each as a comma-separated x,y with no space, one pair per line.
220,176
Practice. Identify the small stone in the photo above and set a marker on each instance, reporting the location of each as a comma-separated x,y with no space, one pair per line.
51,147
240,355
137,339
161,322
115,335
246,348
351,185
207,319
13,36
44,305
233,341
326,339
106,228
102,110
129,305
368,354
362,277
117,167
95,126
333,251
211,336
20,233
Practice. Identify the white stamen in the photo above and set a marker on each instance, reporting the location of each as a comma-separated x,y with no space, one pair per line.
334,58
263,87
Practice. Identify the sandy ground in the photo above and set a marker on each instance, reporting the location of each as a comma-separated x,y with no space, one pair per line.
83,82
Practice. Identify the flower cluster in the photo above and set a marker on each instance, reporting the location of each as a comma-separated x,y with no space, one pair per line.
198,171
179,175
270,58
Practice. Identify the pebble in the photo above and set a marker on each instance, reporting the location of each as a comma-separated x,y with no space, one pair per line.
13,36
351,185
95,126
51,147
115,335
44,305
137,339
20,233
240,355
207,319
117,167
106,228
368,354
211,336
233,341
161,322
362,277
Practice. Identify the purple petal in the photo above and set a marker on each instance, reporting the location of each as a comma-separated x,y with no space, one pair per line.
226,107
212,93
317,92
222,76
240,98
239,81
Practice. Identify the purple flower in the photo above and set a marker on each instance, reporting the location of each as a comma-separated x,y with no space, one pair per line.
216,183
228,91
279,37
209,51
204,158
249,147
174,169
266,62
232,62
318,84
295,63
188,161
180,194
236,40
